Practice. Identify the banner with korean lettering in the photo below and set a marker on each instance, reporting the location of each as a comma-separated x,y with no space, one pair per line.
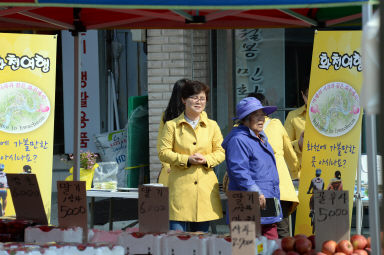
333,122
27,103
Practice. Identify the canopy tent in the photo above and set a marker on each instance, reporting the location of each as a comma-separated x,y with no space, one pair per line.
98,14
81,15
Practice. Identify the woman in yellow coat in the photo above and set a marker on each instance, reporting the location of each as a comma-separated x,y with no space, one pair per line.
286,159
191,144
174,108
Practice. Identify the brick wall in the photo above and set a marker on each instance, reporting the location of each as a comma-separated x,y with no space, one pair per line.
173,54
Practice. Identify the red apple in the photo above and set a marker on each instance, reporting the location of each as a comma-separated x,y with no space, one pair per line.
312,239
368,242
303,245
359,242
339,253
344,246
360,252
300,236
329,247
311,252
292,253
279,252
320,253
288,243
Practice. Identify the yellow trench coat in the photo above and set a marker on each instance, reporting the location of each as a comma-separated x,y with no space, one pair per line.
194,190
165,167
285,156
295,125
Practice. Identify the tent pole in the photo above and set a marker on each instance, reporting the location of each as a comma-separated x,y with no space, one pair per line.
358,204
381,94
371,142
76,107
366,16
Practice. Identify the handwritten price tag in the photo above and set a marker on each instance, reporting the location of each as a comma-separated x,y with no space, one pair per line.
153,209
331,212
72,203
244,206
243,237
27,198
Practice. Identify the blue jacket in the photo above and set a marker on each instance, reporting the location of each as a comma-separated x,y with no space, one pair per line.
251,165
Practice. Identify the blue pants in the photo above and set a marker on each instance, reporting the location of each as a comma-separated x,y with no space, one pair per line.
194,226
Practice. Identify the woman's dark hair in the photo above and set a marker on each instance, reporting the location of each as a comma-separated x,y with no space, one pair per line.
194,87
263,100
175,105
338,174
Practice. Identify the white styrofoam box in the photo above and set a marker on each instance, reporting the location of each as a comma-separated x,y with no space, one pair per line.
184,244
140,243
100,236
46,234
219,245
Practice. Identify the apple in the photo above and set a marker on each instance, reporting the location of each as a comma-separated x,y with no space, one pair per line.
329,247
339,253
311,252
303,245
292,253
369,242
320,253
288,243
360,252
279,252
312,239
344,246
359,242
300,236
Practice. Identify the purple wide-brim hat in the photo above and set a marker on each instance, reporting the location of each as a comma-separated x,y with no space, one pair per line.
249,105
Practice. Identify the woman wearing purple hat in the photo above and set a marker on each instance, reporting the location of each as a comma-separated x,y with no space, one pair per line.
251,164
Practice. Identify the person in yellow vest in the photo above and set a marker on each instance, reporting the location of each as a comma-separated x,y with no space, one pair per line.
295,125
174,109
285,159
191,145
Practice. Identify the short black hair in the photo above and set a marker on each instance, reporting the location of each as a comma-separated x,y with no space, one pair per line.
259,96
192,88
27,169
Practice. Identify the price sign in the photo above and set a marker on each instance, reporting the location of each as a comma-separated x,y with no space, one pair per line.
153,209
244,206
331,216
243,237
26,197
72,203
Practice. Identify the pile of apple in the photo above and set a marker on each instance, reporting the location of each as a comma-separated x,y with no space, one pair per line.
303,245
299,244
358,245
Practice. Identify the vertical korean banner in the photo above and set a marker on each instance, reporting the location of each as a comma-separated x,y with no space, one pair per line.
333,122
27,103
89,95
260,68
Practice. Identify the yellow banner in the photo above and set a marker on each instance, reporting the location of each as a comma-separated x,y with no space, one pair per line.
27,103
333,121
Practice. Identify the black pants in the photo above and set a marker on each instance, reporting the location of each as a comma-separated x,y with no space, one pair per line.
283,225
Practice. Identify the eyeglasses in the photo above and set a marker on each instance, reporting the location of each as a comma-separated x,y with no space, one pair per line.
196,99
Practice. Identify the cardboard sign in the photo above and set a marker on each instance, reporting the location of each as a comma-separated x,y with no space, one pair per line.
72,204
243,237
331,213
26,197
244,206
153,209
